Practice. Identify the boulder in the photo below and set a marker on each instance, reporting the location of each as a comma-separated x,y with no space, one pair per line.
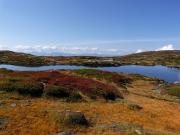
135,107
2,122
64,133
75,118
1,103
70,118
13,105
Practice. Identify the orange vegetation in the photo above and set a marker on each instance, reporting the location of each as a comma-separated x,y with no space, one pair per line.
31,116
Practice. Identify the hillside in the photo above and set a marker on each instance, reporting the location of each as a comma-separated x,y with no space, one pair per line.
167,58
23,59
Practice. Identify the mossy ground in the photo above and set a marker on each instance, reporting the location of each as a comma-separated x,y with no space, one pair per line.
173,90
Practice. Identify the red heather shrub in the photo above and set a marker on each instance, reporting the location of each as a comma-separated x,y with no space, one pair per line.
71,84
23,74
74,84
46,76
86,86
119,79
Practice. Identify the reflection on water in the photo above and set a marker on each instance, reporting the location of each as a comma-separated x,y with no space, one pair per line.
170,75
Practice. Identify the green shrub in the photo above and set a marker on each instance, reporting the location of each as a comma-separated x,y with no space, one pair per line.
23,88
69,118
173,90
75,97
29,88
56,91
110,96
107,95
13,79
98,91
4,70
6,86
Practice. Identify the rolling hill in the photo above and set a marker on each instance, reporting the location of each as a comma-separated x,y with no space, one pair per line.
166,58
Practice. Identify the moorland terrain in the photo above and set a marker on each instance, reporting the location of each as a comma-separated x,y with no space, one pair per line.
88,101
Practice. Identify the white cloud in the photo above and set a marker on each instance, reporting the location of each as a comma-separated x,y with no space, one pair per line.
166,47
113,50
72,50
3,47
58,50
139,51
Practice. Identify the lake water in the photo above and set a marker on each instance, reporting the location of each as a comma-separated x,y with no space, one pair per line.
170,75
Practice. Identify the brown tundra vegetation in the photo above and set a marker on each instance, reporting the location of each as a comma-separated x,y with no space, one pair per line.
86,102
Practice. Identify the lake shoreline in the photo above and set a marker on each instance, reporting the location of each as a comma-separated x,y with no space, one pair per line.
169,74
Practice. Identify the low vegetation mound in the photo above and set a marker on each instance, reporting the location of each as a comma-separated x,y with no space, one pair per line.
167,58
69,118
76,84
119,79
13,58
173,89
4,71
57,85
31,88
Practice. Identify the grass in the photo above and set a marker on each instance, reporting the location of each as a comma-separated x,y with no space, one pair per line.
68,118
173,90
5,71
128,128
39,117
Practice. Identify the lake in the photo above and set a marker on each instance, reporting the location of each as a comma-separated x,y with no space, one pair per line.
170,75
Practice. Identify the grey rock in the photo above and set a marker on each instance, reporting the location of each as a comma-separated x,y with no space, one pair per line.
13,105
64,133
75,118
135,107
71,118
2,122
1,103
138,132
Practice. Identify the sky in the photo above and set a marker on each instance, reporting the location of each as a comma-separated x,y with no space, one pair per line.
89,27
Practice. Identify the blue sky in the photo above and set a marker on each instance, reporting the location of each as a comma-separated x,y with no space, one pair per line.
89,26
